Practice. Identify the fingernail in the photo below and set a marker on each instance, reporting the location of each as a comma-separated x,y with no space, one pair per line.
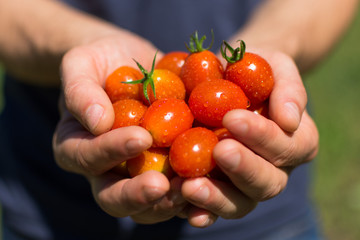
293,111
209,220
230,160
202,194
93,115
205,220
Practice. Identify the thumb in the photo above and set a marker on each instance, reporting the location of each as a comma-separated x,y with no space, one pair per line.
84,95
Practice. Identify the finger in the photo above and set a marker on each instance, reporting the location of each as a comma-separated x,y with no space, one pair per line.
169,206
255,177
288,98
127,197
82,80
219,198
77,150
200,218
265,138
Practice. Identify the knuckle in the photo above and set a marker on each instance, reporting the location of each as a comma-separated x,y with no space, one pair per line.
271,191
251,178
84,164
221,206
241,210
71,91
287,157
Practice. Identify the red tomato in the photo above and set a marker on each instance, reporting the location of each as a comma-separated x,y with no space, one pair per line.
167,85
222,133
151,159
115,87
211,100
250,71
159,84
262,109
128,112
165,119
172,61
201,65
191,152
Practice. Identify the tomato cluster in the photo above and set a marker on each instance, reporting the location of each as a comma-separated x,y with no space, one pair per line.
182,102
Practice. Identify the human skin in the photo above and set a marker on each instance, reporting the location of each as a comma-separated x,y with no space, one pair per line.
259,159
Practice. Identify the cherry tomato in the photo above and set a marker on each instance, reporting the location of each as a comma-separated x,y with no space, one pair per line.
128,112
159,84
211,100
191,152
165,119
167,85
172,61
222,133
115,87
201,65
151,159
250,71
262,109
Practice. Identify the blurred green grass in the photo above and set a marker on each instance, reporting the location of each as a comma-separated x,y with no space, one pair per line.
334,92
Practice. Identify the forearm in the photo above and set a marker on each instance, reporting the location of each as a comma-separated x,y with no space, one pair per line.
38,33
304,29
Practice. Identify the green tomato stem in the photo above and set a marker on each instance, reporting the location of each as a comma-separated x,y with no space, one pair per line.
236,54
148,78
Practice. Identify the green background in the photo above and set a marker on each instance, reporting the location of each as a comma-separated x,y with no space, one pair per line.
334,91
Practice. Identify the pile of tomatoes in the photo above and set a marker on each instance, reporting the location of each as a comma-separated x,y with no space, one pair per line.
182,100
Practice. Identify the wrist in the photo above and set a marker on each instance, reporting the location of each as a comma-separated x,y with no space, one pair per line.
38,37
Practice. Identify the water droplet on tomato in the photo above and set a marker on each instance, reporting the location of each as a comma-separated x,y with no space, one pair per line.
223,96
168,116
204,64
252,67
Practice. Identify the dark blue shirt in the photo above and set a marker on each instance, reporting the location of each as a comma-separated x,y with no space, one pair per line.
42,201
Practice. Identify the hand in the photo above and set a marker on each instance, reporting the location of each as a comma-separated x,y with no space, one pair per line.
83,143
259,161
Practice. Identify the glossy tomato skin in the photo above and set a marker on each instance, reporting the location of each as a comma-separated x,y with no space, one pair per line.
199,67
172,61
211,100
128,112
165,119
254,75
191,152
117,90
167,85
156,159
261,109
222,133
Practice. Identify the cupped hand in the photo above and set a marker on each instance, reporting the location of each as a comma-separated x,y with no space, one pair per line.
263,152
83,143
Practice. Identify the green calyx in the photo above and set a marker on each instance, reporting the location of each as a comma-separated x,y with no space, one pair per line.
196,45
236,54
148,79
